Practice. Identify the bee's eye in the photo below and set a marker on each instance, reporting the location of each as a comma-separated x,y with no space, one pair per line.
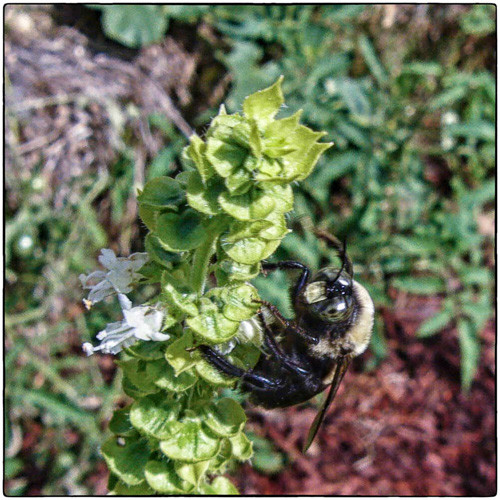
335,308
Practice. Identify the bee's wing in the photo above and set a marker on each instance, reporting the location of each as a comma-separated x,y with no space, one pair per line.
340,370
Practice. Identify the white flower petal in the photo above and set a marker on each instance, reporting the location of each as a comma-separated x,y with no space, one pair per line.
107,258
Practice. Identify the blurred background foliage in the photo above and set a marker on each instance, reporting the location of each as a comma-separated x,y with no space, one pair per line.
407,94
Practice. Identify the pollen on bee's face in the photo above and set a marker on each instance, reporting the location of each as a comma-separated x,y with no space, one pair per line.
315,292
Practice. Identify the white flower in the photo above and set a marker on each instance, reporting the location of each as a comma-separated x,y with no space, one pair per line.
140,323
120,275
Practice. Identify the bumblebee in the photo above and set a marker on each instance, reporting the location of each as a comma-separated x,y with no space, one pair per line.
333,323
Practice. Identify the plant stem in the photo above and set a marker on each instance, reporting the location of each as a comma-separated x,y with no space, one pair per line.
204,252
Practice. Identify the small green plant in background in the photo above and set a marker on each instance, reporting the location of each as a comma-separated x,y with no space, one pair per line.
209,229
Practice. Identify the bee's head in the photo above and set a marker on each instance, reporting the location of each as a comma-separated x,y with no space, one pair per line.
329,295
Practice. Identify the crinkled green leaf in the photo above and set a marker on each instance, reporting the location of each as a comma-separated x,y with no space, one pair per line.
278,228
219,486
233,129
270,170
239,272
183,301
252,205
153,415
191,443
179,355
248,251
279,132
126,457
149,216
196,151
161,476
222,458
204,198
122,489
239,182
164,377
283,198
213,376
179,232
225,157
241,230
135,371
192,473
225,417
158,252
212,327
310,159
270,248
162,193
241,446
265,104
147,350
240,302
131,390
120,423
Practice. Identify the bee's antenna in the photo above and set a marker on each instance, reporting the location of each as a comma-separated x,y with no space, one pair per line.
341,249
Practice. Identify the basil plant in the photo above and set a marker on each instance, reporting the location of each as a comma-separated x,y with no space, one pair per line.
209,229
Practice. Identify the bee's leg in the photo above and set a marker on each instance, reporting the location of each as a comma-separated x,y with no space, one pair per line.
276,351
290,264
289,325
223,365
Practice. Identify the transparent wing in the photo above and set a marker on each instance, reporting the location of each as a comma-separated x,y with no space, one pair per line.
340,370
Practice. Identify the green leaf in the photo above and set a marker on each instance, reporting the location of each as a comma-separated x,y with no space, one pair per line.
248,251
122,489
162,193
192,473
126,458
238,272
223,457
479,129
164,377
178,356
154,415
196,151
179,232
240,302
212,327
134,25
265,104
225,157
372,60
253,205
135,371
162,478
241,446
149,216
435,324
183,301
120,423
147,350
157,251
221,486
426,285
191,443
204,198
469,352
225,418
213,376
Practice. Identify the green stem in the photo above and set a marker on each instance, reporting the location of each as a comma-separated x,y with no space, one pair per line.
204,252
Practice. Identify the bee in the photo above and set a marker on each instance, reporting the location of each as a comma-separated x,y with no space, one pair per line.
333,322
